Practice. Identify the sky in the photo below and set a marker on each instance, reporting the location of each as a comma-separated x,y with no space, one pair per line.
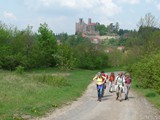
61,15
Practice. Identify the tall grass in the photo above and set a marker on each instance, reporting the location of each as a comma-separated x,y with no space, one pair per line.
36,92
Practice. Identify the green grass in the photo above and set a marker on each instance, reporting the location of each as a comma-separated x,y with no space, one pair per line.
37,92
34,93
150,94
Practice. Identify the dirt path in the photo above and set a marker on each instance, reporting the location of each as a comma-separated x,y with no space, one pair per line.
88,108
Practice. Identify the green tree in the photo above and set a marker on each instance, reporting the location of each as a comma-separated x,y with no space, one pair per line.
62,37
91,56
65,57
47,46
101,28
148,21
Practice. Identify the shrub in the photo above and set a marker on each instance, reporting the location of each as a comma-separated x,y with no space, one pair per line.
65,58
20,69
56,81
91,56
146,72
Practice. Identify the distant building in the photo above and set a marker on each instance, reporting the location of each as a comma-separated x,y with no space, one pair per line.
86,28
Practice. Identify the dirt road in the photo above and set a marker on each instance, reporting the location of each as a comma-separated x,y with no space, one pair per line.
88,108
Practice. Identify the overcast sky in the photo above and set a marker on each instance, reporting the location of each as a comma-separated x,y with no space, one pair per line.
61,15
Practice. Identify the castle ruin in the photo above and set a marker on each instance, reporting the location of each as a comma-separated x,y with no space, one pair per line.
86,28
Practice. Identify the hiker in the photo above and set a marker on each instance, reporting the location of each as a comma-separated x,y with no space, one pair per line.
105,77
111,81
128,81
119,86
99,79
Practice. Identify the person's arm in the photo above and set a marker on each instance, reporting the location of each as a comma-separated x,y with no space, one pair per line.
95,77
123,80
116,80
130,79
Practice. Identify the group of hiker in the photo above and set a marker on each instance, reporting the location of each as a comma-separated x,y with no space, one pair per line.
120,84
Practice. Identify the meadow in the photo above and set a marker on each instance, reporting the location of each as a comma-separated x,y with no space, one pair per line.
36,92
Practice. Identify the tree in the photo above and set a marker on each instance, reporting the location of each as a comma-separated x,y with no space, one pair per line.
62,37
148,21
101,28
116,27
91,56
65,57
47,45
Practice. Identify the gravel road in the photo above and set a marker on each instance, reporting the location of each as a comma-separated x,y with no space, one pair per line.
88,108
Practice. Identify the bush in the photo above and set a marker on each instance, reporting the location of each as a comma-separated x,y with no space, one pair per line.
56,81
91,56
65,57
146,72
20,69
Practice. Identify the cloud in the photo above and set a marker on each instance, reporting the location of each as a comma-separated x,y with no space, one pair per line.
158,6
68,3
149,1
108,8
129,1
46,2
100,7
9,15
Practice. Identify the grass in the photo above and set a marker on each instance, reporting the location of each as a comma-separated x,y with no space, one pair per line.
35,93
150,94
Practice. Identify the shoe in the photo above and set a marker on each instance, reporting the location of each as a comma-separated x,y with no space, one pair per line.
120,100
117,98
126,97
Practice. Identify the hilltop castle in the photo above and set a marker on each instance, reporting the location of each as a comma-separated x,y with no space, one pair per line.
86,29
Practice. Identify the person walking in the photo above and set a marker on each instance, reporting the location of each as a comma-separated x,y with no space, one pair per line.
128,81
119,86
105,77
99,80
111,81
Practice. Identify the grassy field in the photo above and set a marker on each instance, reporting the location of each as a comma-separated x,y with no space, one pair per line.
150,94
36,92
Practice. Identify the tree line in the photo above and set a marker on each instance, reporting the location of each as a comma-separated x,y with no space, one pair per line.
30,50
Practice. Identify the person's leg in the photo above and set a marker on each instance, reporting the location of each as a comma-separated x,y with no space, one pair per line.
126,91
117,92
100,92
128,88
103,87
111,89
120,93
109,86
